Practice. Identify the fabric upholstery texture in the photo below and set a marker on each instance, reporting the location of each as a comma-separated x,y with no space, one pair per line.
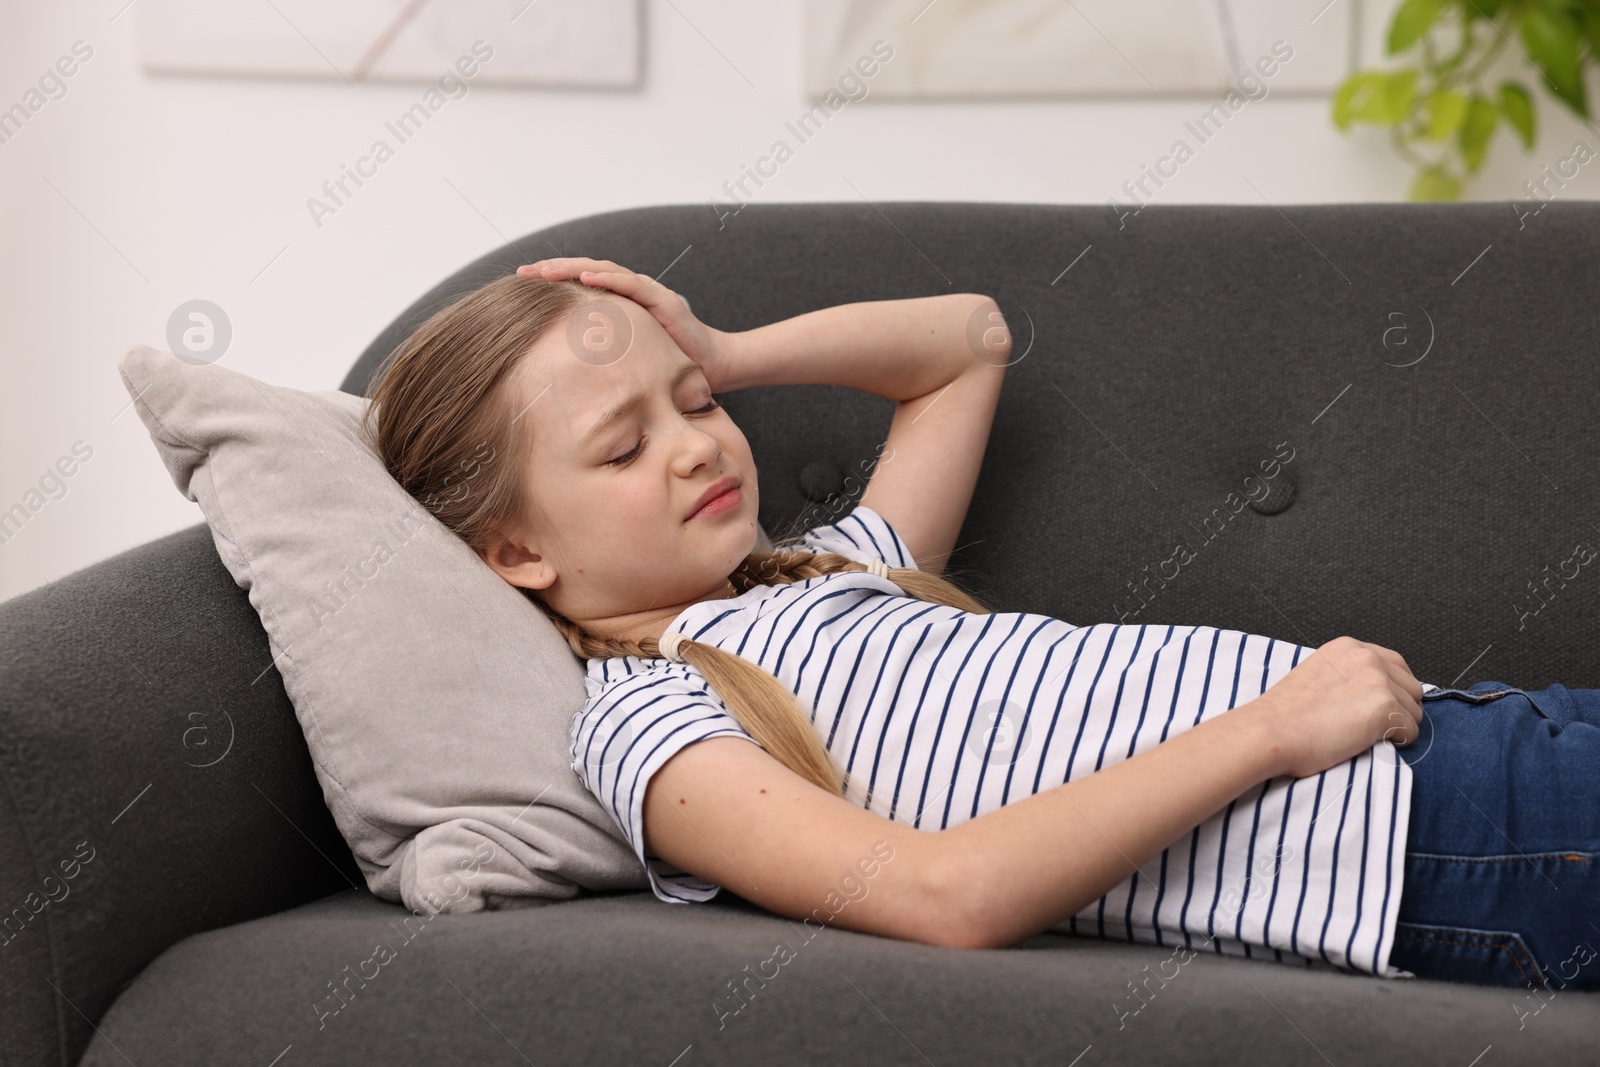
1149,380
627,979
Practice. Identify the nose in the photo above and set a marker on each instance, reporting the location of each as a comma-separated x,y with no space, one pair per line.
698,448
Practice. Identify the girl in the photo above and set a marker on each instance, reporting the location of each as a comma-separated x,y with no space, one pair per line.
834,731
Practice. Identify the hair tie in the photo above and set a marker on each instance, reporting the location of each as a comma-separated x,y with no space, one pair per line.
878,567
668,644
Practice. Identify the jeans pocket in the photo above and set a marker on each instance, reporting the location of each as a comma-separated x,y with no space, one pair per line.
1461,954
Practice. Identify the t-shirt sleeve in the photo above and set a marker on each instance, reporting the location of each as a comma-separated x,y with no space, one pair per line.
863,535
625,733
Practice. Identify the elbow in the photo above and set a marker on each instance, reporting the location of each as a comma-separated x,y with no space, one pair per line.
967,937
988,333
955,912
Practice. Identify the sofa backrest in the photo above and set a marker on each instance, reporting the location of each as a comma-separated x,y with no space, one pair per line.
1365,419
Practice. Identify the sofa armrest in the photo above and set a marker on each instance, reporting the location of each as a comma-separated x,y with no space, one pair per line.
154,781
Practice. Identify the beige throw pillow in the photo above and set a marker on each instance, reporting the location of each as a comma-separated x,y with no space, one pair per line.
435,699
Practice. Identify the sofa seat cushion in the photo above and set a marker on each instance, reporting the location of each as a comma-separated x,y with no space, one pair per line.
627,979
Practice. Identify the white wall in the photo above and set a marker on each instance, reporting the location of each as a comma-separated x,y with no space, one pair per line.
133,194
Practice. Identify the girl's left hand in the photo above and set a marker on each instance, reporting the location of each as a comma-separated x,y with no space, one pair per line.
705,345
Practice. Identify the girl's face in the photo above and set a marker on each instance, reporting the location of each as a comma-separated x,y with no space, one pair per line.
613,540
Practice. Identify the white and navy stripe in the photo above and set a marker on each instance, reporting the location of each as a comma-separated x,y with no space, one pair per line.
1304,871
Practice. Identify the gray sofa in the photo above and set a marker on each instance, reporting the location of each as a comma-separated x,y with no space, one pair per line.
1431,366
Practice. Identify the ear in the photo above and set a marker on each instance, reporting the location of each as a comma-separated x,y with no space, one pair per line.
520,563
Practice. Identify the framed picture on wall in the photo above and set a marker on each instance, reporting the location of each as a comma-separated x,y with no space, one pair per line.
570,43
1083,48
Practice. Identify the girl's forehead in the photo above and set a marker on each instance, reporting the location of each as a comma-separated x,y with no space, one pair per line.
564,396
604,344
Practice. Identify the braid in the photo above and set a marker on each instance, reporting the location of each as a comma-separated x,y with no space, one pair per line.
782,566
766,708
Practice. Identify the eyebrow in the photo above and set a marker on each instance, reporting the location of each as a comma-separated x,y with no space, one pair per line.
612,414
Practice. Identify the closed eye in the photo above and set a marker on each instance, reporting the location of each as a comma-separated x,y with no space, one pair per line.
633,453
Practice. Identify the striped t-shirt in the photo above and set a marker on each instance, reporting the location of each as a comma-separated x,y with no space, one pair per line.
942,715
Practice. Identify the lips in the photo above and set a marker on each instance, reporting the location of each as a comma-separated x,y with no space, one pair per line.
717,489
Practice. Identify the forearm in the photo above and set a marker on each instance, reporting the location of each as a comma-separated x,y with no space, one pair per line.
899,349
1023,868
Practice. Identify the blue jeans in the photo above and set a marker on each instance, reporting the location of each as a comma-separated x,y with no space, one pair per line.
1502,868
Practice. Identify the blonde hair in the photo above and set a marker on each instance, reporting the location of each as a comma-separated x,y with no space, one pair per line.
442,398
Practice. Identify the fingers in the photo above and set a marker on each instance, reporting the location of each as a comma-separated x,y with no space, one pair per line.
1393,663
1410,701
640,288
569,265
1392,656
1402,726
1409,709
1401,723
1400,671
1406,689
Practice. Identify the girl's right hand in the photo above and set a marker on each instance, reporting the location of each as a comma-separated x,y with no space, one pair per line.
704,344
1340,701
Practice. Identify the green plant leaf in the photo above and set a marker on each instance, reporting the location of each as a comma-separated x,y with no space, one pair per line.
1351,100
1382,97
1344,99
1554,46
1399,90
1446,109
1476,129
1435,183
1517,106
1484,9
1411,20
1591,29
